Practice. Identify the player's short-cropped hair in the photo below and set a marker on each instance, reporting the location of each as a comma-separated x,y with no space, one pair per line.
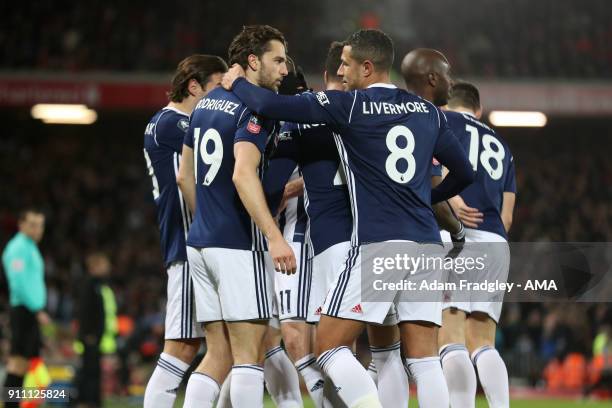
332,62
372,45
465,94
199,67
23,214
253,39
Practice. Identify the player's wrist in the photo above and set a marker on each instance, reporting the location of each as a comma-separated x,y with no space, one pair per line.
459,235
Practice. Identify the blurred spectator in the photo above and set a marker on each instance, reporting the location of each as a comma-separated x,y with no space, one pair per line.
515,39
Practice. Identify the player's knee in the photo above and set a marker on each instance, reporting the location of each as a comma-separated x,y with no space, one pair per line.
295,343
185,349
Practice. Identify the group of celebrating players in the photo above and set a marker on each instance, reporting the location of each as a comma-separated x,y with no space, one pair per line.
241,194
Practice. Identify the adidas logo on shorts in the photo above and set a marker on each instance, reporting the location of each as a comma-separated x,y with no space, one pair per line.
318,311
357,309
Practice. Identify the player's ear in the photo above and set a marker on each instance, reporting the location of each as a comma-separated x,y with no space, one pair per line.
432,80
367,68
478,113
253,62
192,86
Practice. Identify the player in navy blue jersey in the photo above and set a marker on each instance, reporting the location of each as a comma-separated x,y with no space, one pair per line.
195,76
391,196
223,162
427,74
473,321
312,147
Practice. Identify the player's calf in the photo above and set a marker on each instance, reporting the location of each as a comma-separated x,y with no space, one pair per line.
386,356
246,338
491,368
204,383
419,341
281,377
353,384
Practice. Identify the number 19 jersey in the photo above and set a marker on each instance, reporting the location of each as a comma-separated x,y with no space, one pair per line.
218,122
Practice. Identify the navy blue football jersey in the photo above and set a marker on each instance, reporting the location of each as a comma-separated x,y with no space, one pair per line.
326,197
387,138
292,221
493,167
163,143
218,121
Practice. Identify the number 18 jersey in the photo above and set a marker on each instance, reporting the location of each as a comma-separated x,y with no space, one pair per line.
493,165
218,122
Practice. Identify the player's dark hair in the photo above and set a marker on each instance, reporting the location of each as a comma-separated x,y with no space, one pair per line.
332,62
23,214
199,67
253,39
294,82
465,94
372,45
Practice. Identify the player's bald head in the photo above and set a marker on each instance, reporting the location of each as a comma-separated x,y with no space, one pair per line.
426,72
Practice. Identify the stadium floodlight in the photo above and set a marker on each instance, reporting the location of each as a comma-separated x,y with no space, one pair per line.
69,114
517,119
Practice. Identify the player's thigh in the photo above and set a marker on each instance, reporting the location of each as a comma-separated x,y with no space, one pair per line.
245,288
291,291
381,335
335,332
495,252
419,339
453,327
326,266
204,278
180,320
480,331
246,339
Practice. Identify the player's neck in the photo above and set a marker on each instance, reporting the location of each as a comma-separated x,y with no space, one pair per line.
463,109
377,79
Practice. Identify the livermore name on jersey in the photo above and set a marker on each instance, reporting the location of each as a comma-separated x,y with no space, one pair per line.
163,143
218,121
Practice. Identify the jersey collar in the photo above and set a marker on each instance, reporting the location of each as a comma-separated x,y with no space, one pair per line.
180,112
381,85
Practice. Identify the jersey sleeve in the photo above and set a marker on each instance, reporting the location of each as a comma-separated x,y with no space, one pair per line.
253,128
510,182
436,168
283,162
329,107
449,152
171,130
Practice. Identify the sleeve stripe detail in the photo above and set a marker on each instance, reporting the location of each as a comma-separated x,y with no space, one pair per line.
240,117
352,107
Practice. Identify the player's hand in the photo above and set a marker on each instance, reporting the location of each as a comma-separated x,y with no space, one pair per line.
470,217
43,318
230,76
282,255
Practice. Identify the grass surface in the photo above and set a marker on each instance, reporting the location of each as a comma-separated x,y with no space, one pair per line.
481,403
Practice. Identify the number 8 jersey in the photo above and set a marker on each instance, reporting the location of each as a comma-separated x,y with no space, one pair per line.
493,165
386,138
218,121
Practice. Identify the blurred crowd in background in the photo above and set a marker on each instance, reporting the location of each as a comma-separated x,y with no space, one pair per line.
96,194
487,39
